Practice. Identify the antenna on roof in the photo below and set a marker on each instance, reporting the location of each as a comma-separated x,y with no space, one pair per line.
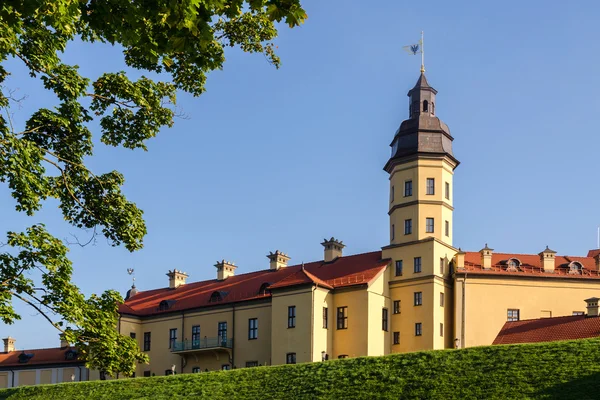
598,238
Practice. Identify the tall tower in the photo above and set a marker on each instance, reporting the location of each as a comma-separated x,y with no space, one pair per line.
421,168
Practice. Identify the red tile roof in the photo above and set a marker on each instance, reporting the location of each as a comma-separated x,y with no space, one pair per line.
549,329
530,265
342,272
55,355
593,253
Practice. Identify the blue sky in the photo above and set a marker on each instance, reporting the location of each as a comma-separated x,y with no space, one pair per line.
279,159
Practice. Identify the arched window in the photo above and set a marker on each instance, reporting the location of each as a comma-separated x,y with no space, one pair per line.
432,108
513,265
215,297
575,267
263,288
425,106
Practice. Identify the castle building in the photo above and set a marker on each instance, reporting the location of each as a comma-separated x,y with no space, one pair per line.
417,292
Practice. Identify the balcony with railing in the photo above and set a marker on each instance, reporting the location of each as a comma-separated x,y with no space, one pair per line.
206,343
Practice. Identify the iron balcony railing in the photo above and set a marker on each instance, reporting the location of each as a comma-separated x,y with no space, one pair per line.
204,343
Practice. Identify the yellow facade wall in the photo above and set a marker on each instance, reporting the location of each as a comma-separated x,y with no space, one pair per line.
297,340
3,379
27,378
246,350
487,301
378,297
45,376
323,336
353,341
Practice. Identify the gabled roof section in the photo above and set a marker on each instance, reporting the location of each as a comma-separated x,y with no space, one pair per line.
549,329
593,253
344,271
530,265
56,355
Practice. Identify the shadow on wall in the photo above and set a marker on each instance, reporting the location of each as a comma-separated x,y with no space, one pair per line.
580,388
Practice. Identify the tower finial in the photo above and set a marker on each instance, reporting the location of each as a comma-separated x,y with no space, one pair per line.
422,54
131,271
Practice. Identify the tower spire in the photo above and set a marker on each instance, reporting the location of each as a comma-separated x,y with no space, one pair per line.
422,54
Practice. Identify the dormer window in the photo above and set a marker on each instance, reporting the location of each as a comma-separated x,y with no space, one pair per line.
165,305
513,265
25,357
575,268
215,297
263,289
70,355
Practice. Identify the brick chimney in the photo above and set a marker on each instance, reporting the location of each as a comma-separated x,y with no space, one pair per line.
592,306
460,259
225,269
548,260
278,260
176,278
597,259
9,344
63,341
486,257
333,249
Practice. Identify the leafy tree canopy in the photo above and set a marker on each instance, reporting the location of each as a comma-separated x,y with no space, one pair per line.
182,39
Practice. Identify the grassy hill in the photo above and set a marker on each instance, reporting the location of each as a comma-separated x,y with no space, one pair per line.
559,370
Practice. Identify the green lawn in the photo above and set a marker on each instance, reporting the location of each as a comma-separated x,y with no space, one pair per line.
559,370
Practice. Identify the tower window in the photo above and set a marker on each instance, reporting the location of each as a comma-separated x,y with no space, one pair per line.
447,191
392,195
430,186
407,226
393,232
442,264
396,306
384,319
425,106
418,329
442,299
417,264
512,315
447,228
432,108
441,330
398,267
407,188
418,298
429,225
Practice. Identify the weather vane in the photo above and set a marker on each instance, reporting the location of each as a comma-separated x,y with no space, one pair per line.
130,271
415,49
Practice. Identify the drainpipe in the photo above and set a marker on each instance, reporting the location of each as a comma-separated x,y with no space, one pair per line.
79,368
464,307
12,372
312,323
182,338
232,337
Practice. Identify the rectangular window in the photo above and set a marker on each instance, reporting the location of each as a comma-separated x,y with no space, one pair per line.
418,329
172,337
407,226
290,358
441,330
132,335
291,316
429,225
252,328
196,336
418,298
396,306
396,337
430,186
147,374
512,315
442,265
147,339
442,299
384,319
393,232
342,317
447,191
250,364
225,367
398,267
447,228
223,332
392,195
546,314
325,319
578,313
407,188
417,265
